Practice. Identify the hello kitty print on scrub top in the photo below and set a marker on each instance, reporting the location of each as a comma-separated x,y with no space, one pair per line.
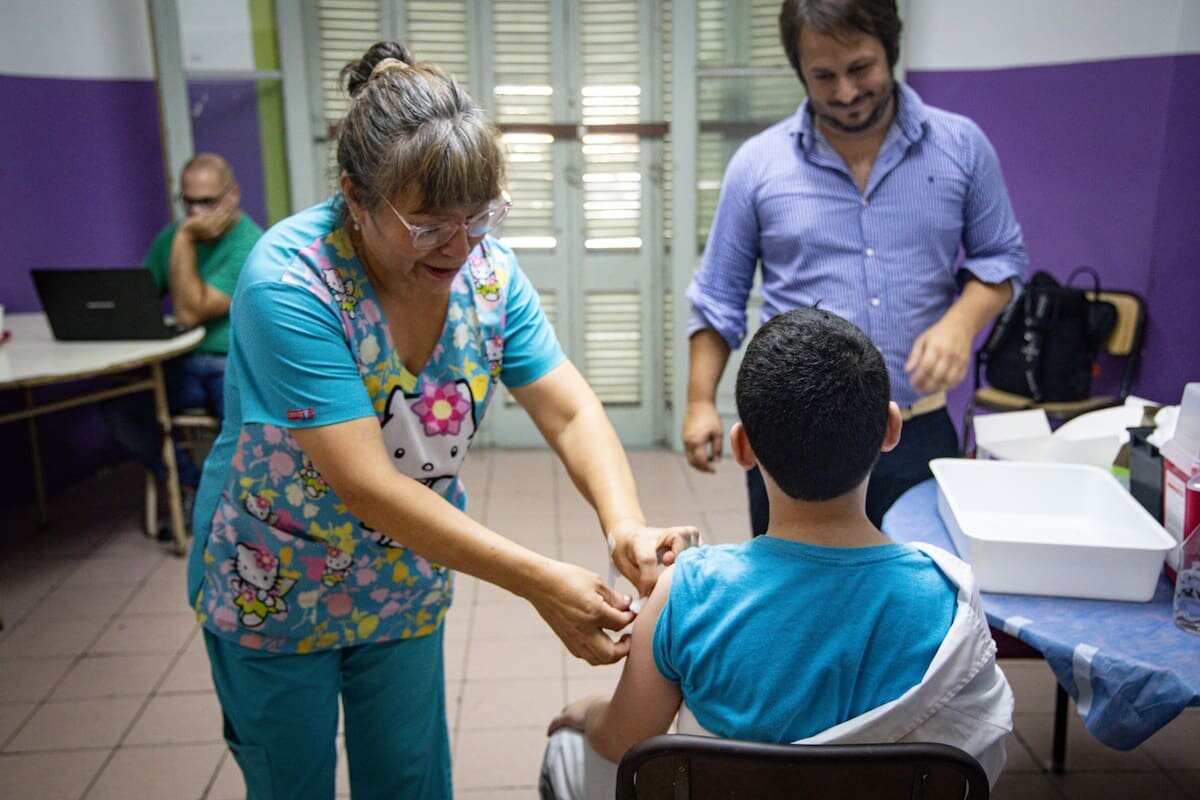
279,564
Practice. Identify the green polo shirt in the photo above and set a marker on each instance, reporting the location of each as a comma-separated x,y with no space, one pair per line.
219,262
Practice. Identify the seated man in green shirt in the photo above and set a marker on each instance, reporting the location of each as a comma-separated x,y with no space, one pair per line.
196,260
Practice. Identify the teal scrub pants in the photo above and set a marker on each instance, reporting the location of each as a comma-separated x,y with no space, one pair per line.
281,718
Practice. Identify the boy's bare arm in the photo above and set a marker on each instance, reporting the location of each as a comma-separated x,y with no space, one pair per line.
644,702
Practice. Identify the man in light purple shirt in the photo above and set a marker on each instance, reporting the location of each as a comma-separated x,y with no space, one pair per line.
860,203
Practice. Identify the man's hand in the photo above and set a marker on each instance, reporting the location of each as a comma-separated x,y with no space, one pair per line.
940,355
639,552
578,606
212,224
702,435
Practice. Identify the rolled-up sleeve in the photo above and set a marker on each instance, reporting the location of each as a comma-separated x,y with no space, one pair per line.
721,286
993,247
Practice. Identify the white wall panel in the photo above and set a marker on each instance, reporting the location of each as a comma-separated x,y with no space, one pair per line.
986,34
1189,27
216,35
101,39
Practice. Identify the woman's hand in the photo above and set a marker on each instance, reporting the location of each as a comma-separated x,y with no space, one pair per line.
640,552
578,606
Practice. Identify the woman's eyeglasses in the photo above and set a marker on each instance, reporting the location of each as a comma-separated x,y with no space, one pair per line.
427,237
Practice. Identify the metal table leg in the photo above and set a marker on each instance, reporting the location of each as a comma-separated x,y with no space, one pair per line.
174,497
1058,750
35,455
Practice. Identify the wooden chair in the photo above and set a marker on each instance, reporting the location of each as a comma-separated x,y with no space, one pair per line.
1124,342
680,767
193,430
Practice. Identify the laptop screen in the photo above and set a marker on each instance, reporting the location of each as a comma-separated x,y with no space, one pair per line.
93,304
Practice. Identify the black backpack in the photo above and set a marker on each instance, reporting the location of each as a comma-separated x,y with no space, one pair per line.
1044,345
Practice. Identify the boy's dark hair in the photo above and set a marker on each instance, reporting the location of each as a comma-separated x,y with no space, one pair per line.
812,394
878,18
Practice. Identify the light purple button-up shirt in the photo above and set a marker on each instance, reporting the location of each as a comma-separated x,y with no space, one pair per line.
885,259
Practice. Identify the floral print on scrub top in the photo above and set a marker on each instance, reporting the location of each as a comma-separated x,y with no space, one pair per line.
285,567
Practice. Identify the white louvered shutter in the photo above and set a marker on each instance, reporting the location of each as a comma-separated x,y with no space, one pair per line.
612,178
614,186
436,31
613,346
523,93
345,29
748,85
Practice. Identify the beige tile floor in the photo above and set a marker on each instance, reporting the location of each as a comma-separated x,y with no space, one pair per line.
105,693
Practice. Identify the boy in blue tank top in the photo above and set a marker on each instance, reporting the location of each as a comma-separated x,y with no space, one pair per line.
823,630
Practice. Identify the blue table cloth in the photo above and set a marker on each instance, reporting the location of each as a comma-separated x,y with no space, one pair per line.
1128,668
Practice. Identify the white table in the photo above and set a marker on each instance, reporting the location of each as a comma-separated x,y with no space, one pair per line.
32,357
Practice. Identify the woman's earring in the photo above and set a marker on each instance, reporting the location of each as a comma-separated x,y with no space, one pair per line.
357,227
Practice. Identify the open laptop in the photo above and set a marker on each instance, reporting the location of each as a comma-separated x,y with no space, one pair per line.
102,304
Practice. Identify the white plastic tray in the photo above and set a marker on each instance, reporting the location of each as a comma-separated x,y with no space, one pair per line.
1067,530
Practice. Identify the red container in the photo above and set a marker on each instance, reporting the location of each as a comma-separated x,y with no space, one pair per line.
1188,506
1181,463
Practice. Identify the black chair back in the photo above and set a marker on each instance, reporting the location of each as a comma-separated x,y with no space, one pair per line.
679,767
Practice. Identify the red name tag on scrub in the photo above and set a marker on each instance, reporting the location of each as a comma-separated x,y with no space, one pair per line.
296,414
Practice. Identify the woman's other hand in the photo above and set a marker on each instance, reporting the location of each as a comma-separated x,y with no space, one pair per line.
578,607
640,551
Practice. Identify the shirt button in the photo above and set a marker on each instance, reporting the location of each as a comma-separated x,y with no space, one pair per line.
870,252
865,201
875,301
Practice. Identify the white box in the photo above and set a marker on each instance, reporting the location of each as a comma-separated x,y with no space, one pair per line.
1026,436
1067,530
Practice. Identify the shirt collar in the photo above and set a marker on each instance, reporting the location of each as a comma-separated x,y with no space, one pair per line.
911,118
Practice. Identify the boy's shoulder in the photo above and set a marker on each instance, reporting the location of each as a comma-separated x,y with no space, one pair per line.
957,571
711,564
931,570
708,555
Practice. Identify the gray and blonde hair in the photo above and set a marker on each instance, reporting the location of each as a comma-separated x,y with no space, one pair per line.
412,129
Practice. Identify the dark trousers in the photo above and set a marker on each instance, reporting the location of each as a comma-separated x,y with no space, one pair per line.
196,380
923,438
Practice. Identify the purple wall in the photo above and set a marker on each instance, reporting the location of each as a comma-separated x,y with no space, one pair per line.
82,180
1173,290
82,184
1101,161
225,121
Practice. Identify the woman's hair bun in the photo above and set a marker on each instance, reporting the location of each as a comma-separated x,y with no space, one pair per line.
381,57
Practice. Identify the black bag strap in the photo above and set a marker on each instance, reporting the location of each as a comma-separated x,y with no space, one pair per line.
1085,270
1041,308
1027,317
1000,330
1100,321
1039,313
